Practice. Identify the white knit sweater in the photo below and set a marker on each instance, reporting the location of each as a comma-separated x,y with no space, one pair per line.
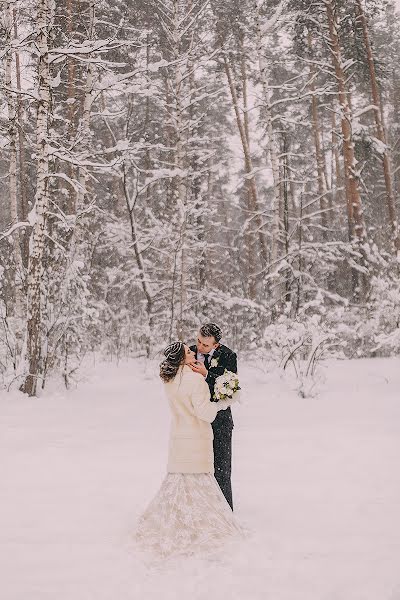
191,436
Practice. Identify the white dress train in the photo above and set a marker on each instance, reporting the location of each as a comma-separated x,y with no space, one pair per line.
188,516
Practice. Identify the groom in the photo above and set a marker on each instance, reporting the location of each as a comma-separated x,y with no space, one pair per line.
212,359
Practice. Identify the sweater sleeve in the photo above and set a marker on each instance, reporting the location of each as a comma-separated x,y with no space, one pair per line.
203,408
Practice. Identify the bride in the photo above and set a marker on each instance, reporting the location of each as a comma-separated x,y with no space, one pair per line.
189,514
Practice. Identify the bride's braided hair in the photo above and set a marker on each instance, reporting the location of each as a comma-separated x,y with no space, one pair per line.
174,354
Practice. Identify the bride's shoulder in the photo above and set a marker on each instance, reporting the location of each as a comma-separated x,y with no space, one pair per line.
187,371
191,375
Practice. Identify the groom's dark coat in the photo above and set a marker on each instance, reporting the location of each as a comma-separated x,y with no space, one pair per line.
223,423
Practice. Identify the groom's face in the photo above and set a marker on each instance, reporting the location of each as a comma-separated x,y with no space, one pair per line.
206,344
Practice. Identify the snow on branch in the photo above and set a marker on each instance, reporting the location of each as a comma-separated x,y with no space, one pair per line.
14,228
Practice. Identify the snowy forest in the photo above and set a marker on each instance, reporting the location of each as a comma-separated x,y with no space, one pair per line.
169,163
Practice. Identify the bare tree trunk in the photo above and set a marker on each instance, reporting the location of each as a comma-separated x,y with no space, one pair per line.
248,164
82,175
86,113
198,200
354,204
35,268
71,65
148,158
130,204
249,241
395,131
243,70
337,179
285,216
300,250
179,23
180,165
71,93
272,144
200,222
316,128
380,130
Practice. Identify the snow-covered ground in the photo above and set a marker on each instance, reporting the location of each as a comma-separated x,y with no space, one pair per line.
315,480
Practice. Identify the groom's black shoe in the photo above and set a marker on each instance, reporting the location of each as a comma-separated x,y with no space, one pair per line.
223,358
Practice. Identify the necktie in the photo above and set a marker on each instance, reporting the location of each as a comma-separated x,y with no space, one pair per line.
206,361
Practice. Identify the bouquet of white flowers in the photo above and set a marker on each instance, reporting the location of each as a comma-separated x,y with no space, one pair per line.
226,385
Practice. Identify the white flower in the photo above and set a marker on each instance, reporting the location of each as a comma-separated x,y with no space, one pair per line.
214,362
226,385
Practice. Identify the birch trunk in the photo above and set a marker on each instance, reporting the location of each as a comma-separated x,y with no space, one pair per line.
12,172
23,208
35,268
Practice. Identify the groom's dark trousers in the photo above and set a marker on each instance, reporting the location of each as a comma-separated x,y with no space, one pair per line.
222,426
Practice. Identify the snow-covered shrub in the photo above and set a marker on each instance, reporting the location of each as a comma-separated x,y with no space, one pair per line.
373,328
298,346
385,299
6,346
305,358
352,327
9,328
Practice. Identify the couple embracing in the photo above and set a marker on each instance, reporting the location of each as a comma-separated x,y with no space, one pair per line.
192,512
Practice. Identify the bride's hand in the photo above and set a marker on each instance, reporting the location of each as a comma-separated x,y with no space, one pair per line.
198,367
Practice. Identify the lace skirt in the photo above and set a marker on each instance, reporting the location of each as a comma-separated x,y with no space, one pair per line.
188,516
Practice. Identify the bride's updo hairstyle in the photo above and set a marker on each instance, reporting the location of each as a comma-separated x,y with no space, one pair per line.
174,355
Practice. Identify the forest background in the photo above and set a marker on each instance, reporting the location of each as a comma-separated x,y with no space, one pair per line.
169,163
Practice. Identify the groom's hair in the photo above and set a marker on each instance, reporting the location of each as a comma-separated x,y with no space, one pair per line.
211,330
